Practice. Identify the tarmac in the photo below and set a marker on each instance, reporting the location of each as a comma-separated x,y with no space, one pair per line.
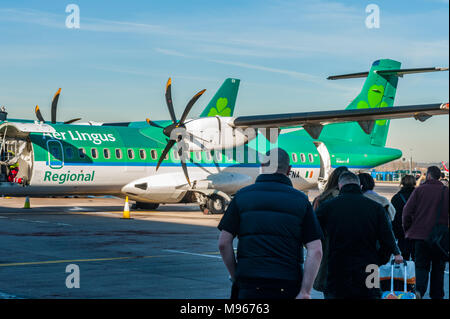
169,253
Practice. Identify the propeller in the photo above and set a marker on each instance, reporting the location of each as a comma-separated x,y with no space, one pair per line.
175,125
39,116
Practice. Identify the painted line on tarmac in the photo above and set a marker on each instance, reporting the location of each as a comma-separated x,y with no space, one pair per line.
193,254
4,295
79,260
37,221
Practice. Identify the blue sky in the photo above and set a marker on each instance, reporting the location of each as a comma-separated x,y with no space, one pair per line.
114,67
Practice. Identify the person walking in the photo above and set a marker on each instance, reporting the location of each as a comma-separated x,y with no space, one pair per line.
408,184
419,217
330,191
354,225
273,222
367,187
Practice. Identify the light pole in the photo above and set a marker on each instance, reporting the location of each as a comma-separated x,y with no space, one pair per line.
410,161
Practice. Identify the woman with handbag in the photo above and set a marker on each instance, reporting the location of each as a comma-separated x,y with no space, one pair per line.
425,220
399,200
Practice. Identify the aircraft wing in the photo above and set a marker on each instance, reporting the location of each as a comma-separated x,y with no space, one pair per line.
313,122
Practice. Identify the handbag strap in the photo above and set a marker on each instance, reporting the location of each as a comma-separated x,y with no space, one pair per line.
402,197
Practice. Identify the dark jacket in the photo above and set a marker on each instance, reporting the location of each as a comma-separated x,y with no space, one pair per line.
399,201
354,224
321,279
272,221
419,213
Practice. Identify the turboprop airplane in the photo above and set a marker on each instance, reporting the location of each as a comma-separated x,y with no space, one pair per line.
145,163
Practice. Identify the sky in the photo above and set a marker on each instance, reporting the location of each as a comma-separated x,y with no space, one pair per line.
115,66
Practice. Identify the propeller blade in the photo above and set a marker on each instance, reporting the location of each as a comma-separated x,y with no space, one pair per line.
153,124
166,150
37,111
169,100
54,105
185,171
71,121
190,105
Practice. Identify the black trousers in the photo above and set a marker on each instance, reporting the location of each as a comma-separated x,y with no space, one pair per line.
426,259
406,247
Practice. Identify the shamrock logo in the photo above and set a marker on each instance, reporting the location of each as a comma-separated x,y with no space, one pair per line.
374,98
221,108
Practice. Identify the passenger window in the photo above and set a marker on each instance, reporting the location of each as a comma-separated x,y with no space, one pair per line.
130,153
106,153
81,152
218,156
153,154
229,155
303,157
208,156
198,156
142,154
294,157
94,153
310,157
118,153
69,153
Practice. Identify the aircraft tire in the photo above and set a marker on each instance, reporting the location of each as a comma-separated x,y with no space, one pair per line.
215,204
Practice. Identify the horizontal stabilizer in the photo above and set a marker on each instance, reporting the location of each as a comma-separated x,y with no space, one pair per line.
348,76
401,72
397,72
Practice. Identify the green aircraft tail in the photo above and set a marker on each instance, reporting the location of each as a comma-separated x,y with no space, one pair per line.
224,100
378,91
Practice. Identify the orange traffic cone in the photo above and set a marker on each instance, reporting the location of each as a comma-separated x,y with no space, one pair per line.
126,210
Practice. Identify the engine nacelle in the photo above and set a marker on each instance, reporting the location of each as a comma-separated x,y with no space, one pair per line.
215,133
171,187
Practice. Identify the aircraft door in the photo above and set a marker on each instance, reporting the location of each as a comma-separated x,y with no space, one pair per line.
325,163
55,154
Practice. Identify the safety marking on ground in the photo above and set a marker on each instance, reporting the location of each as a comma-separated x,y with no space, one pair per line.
8,296
79,260
35,221
193,254
38,221
77,209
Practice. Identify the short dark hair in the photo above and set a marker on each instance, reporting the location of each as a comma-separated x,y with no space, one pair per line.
348,178
367,182
434,172
408,181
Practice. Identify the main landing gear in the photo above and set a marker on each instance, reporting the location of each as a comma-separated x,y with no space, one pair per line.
213,204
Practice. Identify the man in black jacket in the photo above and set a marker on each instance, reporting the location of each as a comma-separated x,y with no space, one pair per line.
273,221
354,224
